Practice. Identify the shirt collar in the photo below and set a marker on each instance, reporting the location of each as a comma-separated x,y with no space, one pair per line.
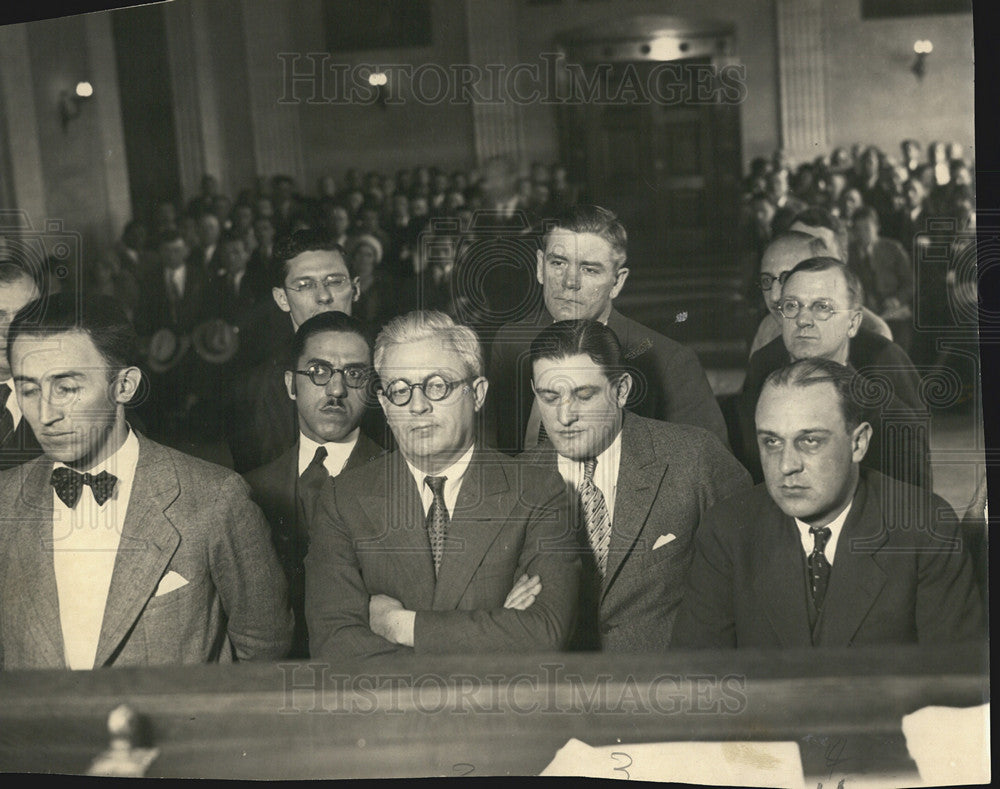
121,463
835,526
454,472
337,452
607,461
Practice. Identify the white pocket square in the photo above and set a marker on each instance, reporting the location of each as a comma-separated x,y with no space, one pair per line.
169,582
663,539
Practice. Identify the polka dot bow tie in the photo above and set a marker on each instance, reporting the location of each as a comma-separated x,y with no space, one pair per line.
69,484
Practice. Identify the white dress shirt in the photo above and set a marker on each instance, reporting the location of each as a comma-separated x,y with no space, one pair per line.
454,473
12,405
605,474
85,544
835,527
177,277
337,452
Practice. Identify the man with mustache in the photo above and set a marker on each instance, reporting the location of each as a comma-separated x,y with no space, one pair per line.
327,378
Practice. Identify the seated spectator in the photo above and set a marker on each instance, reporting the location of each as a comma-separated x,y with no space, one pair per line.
886,275
327,379
826,552
821,318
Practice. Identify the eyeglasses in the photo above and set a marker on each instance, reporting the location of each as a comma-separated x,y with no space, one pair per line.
332,281
434,387
321,374
767,281
821,310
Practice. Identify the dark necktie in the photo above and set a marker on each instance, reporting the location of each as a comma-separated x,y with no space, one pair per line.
819,566
6,418
315,474
69,484
595,510
437,519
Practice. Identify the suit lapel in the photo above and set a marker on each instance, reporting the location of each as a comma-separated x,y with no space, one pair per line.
41,596
480,513
781,585
638,482
856,578
147,544
397,528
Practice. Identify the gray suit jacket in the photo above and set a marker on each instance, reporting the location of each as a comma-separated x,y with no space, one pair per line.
368,537
668,476
184,515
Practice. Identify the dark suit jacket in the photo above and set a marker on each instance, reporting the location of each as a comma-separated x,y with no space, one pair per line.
156,312
899,576
368,537
287,507
668,476
19,446
184,515
669,382
893,386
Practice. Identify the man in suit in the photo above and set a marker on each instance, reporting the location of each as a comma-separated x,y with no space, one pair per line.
821,318
309,275
581,271
18,444
825,552
642,486
443,545
115,550
327,378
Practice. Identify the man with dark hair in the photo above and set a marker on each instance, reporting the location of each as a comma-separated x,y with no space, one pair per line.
18,288
116,550
581,270
821,318
825,552
444,546
328,377
642,486
309,275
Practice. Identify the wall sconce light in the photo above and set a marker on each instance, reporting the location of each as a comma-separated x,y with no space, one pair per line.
379,80
69,102
921,49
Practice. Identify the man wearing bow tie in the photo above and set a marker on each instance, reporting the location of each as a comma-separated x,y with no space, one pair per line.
115,550
642,486
826,552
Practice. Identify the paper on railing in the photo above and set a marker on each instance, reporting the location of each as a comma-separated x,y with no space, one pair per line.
950,745
719,763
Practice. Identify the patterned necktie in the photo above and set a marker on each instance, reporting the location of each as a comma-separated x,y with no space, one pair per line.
6,418
69,484
819,567
437,519
596,512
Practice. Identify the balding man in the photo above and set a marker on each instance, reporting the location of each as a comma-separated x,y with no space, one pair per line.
784,252
821,318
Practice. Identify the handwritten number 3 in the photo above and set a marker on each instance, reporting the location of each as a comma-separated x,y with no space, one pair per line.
624,767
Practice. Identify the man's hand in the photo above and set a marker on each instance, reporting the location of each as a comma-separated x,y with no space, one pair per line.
524,593
388,618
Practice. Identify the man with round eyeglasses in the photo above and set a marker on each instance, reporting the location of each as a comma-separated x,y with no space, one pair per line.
328,380
820,308
443,546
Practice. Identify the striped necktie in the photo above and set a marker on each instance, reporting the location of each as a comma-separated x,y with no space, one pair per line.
595,510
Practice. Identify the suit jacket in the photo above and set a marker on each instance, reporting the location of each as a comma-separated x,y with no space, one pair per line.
157,312
670,384
19,446
668,476
899,576
368,537
892,383
185,516
287,505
